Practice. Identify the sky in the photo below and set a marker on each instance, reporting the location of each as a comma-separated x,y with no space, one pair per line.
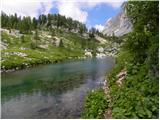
93,13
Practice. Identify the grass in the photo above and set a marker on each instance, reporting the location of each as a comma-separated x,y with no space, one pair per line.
36,55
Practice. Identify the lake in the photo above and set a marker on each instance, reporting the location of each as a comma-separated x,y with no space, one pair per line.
52,91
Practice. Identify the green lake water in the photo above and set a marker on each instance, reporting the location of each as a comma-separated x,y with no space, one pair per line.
52,91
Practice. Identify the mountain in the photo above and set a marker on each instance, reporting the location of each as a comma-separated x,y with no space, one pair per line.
118,25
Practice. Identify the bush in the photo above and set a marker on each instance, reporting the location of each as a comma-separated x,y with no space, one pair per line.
22,38
95,105
138,97
33,45
137,44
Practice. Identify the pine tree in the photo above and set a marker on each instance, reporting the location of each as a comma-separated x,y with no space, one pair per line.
49,23
61,43
22,39
34,23
36,37
53,33
92,32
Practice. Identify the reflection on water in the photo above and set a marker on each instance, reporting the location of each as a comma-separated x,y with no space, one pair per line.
52,91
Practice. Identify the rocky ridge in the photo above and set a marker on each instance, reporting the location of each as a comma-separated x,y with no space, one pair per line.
118,25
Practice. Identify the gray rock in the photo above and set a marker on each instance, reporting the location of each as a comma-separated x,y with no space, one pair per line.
3,45
56,41
118,25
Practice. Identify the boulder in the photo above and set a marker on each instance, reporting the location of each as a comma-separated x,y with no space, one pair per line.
88,54
4,30
3,45
100,49
43,46
100,55
56,41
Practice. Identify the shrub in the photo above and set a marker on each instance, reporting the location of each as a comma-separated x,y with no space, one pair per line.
33,45
95,105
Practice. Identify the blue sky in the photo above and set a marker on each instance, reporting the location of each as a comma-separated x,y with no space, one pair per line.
93,14
100,14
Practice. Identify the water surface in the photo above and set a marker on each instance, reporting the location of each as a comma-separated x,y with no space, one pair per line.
52,91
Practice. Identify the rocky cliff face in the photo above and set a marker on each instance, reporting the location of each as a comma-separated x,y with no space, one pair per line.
118,25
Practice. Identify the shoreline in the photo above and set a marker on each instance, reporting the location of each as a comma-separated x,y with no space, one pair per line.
3,71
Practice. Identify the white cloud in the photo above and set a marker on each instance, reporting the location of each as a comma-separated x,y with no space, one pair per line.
47,5
73,10
26,7
69,8
90,3
115,5
99,27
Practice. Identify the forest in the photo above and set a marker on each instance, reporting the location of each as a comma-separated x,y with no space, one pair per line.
27,24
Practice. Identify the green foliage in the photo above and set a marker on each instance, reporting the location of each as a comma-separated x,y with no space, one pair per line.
22,39
61,43
33,45
92,32
143,14
53,32
143,42
36,36
25,25
137,44
34,23
95,105
153,56
42,19
138,97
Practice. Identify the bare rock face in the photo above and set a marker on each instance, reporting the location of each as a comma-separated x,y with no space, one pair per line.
118,25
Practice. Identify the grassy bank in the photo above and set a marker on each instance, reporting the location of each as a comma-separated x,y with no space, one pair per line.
11,58
25,51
